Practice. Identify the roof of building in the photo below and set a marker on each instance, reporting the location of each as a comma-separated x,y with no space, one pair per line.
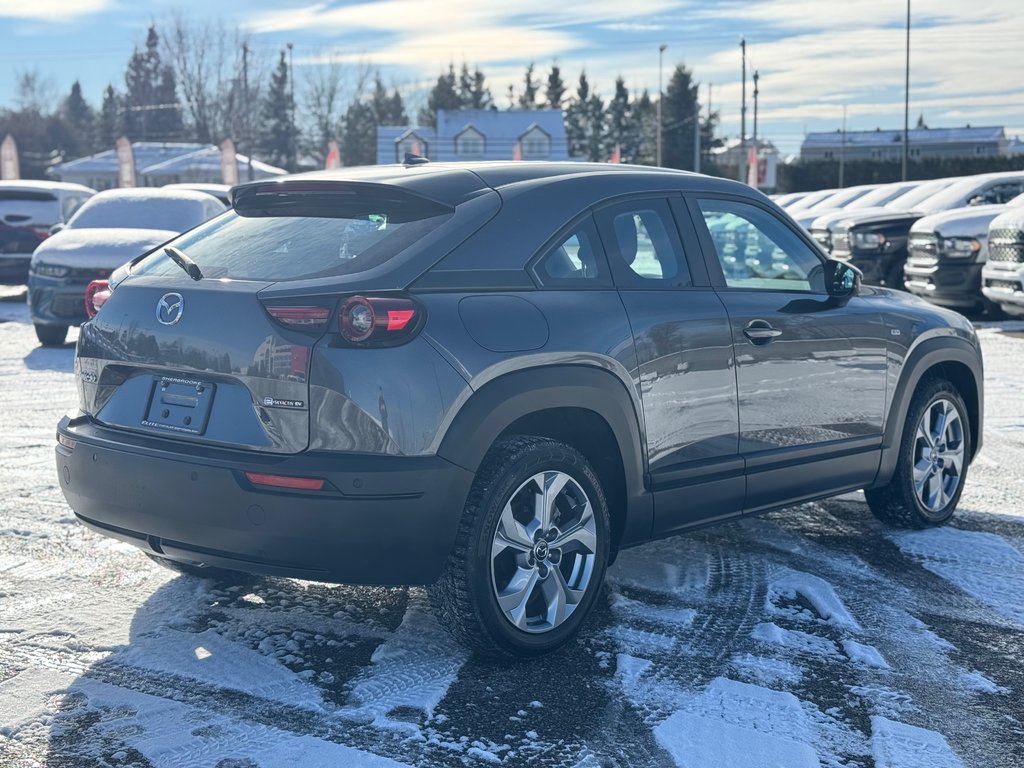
160,158
501,131
965,135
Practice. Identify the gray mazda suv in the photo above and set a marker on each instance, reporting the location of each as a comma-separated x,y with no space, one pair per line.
491,378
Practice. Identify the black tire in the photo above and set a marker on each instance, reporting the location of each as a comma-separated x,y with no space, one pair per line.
897,503
464,598
51,335
204,572
993,310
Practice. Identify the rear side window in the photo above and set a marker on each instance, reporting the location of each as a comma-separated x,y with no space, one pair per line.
576,261
22,208
285,235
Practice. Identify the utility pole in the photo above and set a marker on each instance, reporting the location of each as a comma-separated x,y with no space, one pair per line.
906,102
291,106
661,98
696,137
247,127
743,112
842,149
757,153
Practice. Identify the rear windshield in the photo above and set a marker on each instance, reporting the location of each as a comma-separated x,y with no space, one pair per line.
298,235
23,207
138,212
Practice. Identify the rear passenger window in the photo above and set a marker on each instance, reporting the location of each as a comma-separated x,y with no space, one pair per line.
576,260
643,245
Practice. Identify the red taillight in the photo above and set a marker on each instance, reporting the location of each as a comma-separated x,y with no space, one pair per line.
96,295
41,232
378,319
285,481
309,318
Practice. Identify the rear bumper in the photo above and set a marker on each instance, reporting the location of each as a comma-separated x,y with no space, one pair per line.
387,519
946,284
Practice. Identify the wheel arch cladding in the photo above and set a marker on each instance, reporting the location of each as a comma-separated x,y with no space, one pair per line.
587,408
953,359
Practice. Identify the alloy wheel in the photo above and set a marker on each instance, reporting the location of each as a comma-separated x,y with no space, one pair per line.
938,455
543,552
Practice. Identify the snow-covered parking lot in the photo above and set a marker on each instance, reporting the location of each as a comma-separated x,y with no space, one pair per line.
811,637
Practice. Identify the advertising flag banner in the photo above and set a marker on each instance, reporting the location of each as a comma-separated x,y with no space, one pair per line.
333,159
616,155
517,151
228,163
125,163
9,159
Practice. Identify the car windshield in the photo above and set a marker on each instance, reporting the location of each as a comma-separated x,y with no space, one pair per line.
301,235
881,196
19,208
907,201
174,214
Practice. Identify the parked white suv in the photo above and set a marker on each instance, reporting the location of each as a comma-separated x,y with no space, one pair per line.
1002,278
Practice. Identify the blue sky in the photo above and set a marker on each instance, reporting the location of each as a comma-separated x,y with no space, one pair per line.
813,56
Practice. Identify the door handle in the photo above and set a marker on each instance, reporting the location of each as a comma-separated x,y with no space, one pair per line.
760,332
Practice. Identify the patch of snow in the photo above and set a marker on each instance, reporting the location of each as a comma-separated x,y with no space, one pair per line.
981,564
897,745
763,670
793,639
414,667
978,682
741,726
656,614
867,655
818,592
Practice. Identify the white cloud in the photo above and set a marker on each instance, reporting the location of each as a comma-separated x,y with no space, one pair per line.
60,11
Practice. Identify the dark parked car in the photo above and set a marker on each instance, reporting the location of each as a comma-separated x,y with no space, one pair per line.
28,211
490,378
877,244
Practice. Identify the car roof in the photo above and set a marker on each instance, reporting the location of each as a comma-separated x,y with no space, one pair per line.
45,186
454,183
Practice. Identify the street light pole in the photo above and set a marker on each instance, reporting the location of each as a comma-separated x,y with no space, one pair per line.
291,77
661,98
757,77
906,102
842,149
743,112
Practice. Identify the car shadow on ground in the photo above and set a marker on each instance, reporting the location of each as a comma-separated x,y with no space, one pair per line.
60,358
238,674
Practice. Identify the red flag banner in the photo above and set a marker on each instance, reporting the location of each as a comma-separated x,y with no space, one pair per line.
9,159
517,151
752,169
616,155
228,163
333,159
125,163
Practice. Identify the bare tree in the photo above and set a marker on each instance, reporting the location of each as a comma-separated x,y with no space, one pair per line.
328,86
219,77
36,93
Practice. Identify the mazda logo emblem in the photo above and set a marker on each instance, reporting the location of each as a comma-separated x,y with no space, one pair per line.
170,308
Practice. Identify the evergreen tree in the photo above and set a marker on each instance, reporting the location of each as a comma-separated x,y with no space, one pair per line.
621,125
388,108
528,98
80,120
444,95
359,135
680,116
555,88
280,136
643,149
151,100
597,149
576,119
109,121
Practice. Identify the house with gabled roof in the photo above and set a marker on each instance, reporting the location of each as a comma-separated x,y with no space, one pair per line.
478,134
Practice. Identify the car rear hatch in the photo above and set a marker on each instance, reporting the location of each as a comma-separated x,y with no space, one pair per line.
25,219
225,359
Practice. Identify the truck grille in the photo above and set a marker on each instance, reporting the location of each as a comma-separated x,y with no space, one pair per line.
1006,285
922,249
1006,245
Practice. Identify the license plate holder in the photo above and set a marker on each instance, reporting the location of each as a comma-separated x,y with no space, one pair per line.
179,405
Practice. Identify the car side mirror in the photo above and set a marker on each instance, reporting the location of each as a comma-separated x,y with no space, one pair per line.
842,280
56,228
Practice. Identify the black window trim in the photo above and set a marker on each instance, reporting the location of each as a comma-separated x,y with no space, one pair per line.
710,253
624,278
602,282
